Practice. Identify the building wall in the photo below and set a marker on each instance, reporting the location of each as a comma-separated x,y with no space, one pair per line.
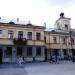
50,42
15,30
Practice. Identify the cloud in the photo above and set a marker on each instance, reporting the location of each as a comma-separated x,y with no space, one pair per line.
61,3
37,11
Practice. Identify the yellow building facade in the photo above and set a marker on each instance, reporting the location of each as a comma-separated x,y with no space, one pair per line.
36,43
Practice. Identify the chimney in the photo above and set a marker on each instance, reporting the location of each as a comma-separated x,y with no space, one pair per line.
29,22
17,19
44,24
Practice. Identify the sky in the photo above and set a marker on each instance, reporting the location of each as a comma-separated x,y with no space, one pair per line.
37,11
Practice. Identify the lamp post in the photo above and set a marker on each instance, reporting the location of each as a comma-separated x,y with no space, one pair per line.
71,34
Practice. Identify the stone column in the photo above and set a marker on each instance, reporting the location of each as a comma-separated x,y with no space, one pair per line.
61,53
34,53
14,53
4,51
24,51
70,52
42,51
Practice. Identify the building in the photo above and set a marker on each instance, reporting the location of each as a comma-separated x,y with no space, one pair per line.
36,43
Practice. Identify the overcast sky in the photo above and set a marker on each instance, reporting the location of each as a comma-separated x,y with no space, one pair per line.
37,11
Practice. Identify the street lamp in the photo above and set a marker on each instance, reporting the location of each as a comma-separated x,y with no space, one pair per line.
71,34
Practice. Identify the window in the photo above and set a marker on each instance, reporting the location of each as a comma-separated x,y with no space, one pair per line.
10,34
19,51
0,33
45,39
38,36
72,41
20,35
66,26
58,25
64,40
30,35
38,51
54,40
9,51
29,51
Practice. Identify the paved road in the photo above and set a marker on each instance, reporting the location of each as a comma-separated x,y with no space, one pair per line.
39,69
13,71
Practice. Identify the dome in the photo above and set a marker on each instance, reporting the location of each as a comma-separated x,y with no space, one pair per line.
61,14
29,24
11,22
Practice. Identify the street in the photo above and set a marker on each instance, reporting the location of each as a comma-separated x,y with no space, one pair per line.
41,68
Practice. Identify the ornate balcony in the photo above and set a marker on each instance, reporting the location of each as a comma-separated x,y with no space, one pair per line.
18,41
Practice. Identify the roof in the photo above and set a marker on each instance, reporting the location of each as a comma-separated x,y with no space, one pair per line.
49,29
19,23
63,18
14,21
55,30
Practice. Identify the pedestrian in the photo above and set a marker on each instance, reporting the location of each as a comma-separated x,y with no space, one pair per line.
20,61
53,58
23,59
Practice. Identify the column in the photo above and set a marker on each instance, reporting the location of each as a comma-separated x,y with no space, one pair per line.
42,50
4,48
61,53
14,54
48,54
42,53
70,52
34,53
24,51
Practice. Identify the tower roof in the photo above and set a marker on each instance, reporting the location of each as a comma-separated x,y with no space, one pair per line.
62,17
61,14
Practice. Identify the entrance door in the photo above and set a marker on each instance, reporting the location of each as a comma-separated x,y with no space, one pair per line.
0,55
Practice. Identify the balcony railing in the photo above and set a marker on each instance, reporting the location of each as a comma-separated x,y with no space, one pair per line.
18,41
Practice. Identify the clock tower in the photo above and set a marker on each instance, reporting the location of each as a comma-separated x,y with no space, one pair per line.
63,23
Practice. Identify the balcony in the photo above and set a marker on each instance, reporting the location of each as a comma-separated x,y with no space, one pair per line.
18,41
